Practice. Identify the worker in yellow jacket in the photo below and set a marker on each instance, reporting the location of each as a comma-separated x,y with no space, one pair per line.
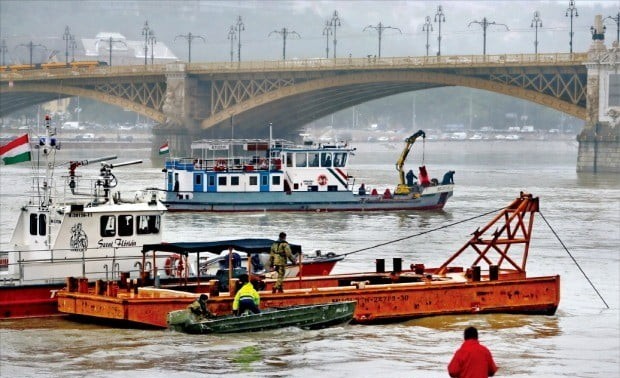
247,298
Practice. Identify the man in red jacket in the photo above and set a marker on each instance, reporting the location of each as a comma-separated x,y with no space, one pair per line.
472,360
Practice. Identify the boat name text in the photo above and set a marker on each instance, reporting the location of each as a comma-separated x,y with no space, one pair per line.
117,243
80,215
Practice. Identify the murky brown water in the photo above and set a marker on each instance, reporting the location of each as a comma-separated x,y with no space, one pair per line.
581,340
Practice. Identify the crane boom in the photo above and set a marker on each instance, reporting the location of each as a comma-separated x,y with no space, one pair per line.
402,187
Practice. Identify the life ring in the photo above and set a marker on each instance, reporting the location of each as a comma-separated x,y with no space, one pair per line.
322,180
173,265
220,165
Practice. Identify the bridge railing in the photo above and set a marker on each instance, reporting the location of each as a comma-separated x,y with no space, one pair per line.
369,62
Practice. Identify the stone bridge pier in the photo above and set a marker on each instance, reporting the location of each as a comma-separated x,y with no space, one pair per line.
599,141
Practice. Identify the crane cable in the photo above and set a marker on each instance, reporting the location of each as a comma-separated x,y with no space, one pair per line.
574,260
421,233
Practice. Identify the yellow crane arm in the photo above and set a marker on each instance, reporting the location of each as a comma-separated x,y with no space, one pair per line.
402,188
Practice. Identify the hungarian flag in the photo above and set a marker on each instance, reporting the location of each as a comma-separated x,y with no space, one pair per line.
164,149
16,151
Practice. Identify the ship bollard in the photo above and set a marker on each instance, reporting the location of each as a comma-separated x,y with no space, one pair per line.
99,287
83,285
380,265
493,272
214,290
397,264
475,273
71,283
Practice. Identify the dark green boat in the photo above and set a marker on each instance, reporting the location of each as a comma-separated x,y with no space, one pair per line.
308,317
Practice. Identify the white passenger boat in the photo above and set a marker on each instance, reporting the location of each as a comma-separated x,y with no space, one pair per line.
78,226
276,175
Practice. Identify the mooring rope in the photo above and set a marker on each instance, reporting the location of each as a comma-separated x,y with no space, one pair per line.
575,261
421,233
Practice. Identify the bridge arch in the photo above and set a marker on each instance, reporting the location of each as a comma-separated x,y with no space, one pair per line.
48,92
337,92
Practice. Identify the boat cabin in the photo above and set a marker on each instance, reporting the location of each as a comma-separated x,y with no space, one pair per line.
258,165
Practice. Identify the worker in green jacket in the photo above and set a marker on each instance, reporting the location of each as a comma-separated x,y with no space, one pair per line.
199,307
247,298
280,252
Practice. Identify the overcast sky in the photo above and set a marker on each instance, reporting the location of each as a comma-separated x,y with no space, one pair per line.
41,20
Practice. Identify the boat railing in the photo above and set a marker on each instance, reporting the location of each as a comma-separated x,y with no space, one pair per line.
15,263
242,163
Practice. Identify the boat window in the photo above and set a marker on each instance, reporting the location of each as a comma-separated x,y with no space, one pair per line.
42,225
234,180
300,159
340,159
253,180
107,225
332,188
148,224
198,179
222,180
313,188
4,261
289,159
125,225
275,180
326,159
211,180
313,160
33,224
264,181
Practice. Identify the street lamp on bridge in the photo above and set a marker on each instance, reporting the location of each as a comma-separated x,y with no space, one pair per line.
380,28
485,24
572,11
148,34
67,37
232,35
334,23
189,37
31,47
427,27
327,31
617,20
284,33
152,41
240,27
3,50
536,23
73,45
439,17
111,41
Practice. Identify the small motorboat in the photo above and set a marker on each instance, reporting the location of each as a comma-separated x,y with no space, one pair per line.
308,317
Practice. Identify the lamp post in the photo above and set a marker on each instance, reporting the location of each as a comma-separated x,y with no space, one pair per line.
427,27
617,20
3,50
31,47
67,38
147,33
485,24
152,42
572,11
327,30
73,45
380,28
284,33
110,41
536,23
232,35
189,37
439,18
334,23
240,27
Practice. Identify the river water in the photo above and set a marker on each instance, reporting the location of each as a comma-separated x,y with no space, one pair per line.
581,340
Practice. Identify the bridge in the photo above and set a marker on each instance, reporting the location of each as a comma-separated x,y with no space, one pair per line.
187,100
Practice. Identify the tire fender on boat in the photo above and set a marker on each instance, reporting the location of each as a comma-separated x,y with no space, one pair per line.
322,180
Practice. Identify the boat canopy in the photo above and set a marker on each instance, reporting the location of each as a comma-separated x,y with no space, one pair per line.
251,245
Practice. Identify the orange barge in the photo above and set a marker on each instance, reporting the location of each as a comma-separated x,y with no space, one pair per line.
501,248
